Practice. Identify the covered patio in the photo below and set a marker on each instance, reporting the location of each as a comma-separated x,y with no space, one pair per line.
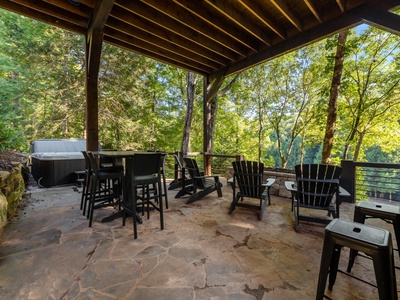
215,39
48,252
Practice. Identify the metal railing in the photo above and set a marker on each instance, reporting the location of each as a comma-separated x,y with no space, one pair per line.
219,162
371,180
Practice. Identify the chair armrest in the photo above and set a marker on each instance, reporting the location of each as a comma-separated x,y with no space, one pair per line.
290,186
343,192
207,176
269,183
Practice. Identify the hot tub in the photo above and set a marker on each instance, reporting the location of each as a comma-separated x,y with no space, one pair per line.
54,162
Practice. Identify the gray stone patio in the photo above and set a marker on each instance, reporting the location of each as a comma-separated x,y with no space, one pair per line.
48,252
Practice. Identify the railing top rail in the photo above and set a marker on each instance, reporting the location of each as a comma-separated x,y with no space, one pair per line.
376,165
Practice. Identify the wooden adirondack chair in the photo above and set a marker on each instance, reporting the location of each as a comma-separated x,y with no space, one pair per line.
248,179
201,185
316,187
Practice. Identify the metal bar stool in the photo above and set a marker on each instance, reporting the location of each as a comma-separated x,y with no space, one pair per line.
389,213
373,241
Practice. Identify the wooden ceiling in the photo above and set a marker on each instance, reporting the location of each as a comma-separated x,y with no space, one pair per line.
209,37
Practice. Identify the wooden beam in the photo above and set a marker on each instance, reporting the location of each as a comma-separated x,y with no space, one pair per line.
37,15
213,88
138,37
198,24
100,15
228,29
381,19
314,9
94,43
284,9
302,39
130,47
130,24
239,19
341,5
54,11
92,105
159,19
261,14
156,49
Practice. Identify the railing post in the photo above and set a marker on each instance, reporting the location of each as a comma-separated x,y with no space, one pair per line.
207,164
348,180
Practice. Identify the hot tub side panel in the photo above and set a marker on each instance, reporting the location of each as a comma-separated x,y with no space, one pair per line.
48,172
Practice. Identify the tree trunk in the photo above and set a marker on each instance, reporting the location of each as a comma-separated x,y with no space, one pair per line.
358,145
190,91
334,93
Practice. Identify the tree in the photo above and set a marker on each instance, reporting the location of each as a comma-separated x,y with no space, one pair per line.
333,97
190,92
294,90
371,85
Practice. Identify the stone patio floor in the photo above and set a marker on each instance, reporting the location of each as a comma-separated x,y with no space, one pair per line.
48,252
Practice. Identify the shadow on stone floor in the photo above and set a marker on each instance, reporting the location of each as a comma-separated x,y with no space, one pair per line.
48,252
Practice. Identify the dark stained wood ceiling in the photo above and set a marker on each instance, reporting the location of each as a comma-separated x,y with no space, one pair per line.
210,37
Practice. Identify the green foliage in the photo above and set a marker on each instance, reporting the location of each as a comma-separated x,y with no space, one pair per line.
275,112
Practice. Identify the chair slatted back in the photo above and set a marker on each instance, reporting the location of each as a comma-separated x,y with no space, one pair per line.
146,164
317,183
248,176
194,171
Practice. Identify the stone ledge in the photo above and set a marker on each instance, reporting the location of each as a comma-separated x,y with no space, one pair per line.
12,189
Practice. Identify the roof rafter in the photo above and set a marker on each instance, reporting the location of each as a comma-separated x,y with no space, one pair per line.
238,18
285,10
264,17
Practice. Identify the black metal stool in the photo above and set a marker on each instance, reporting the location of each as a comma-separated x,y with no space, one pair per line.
373,241
389,213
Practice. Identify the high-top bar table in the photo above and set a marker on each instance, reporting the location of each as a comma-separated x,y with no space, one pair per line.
127,196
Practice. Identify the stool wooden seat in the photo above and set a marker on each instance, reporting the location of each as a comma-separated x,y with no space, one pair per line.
373,241
389,213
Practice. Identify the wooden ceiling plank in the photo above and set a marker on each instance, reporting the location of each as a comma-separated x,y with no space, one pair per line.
302,39
158,42
341,4
236,33
159,19
237,17
144,25
42,17
284,9
80,10
133,48
154,49
53,11
194,22
381,19
314,9
262,15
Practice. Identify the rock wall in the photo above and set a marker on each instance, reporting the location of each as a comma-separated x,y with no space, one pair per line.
278,188
12,189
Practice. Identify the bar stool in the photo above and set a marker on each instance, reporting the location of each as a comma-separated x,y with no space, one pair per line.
102,196
389,213
144,169
373,241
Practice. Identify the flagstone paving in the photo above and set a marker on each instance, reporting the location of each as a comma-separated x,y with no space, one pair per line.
49,252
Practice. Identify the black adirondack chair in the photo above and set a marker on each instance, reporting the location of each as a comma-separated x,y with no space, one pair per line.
201,186
248,179
316,187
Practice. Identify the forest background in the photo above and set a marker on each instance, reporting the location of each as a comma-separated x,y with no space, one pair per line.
275,112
